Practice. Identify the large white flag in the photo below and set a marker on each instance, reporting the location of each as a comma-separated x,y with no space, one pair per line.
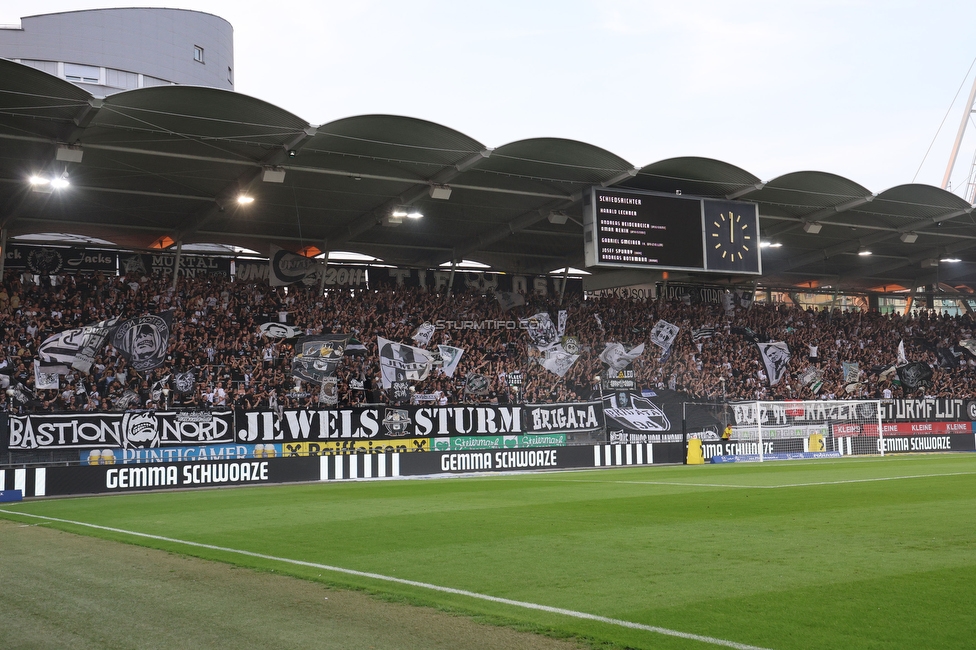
558,361
902,359
617,357
451,357
59,351
424,333
663,334
288,268
402,362
776,358
44,380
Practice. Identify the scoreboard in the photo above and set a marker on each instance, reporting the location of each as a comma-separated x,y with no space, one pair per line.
647,230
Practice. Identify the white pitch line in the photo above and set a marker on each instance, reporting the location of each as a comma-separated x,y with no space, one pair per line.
413,583
771,487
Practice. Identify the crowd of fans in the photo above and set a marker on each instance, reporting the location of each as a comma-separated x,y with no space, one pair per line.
216,336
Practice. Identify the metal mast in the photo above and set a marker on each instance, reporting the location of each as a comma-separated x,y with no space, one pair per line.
967,113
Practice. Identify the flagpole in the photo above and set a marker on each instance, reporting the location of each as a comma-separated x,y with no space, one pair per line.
325,266
176,266
450,283
3,251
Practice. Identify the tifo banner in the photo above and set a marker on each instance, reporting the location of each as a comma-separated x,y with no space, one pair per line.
352,277
784,414
379,422
55,260
191,266
579,416
920,410
119,430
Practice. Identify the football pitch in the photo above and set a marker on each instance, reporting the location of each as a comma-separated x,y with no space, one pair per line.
847,553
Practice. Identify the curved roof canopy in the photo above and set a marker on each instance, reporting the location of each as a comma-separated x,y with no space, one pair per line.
167,164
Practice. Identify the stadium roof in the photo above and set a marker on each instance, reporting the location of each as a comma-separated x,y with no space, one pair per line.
166,164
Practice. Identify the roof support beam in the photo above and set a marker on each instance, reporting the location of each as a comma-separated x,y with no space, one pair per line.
498,233
375,217
749,189
244,184
853,245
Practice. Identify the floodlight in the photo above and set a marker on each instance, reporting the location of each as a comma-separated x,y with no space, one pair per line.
558,218
908,237
812,228
273,175
440,192
863,252
244,199
69,153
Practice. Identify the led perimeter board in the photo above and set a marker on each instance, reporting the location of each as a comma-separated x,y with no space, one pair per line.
647,230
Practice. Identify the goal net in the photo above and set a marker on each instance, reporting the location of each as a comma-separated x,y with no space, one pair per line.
804,429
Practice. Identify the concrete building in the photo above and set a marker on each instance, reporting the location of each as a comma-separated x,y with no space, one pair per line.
106,51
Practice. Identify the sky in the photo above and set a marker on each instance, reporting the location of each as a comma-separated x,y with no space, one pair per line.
870,90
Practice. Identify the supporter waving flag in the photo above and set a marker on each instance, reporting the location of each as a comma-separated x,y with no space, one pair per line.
318,357
542,332
143,341
94,337
424,333
915,375
451,357
57,352
402,362
776,358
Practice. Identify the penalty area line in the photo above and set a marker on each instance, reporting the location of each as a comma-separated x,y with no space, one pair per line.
412,583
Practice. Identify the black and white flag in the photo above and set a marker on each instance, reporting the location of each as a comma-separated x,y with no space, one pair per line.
476,384
402,362
143,341
59,351
663,335
44,380
915,375
969,345
561,319
557,361
902,359
329,392
812,377
274,330
509,299
94,337
776,359
451,356
424,333
540,329
184,382
618,357
289,268
355,348
318,357
702,333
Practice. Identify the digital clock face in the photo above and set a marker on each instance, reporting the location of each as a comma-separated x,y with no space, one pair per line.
731,237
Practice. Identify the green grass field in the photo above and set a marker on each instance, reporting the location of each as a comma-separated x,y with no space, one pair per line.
851,553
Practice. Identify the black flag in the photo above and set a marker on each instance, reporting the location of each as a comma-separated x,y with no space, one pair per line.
915,375
143,341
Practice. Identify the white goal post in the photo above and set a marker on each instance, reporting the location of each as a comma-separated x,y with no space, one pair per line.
806,429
